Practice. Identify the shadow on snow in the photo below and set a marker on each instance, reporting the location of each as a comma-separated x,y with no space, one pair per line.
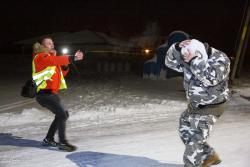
97,159
88,159
7,139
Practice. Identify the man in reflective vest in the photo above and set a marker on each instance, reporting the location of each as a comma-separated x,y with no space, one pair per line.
48,71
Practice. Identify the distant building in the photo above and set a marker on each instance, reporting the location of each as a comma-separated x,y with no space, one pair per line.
85,40
104,54
155,67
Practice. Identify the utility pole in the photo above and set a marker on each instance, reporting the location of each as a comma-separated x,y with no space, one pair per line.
243,42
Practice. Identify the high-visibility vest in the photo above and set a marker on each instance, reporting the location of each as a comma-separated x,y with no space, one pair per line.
41,77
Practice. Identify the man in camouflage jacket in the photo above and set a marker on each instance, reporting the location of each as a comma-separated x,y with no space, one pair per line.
206,71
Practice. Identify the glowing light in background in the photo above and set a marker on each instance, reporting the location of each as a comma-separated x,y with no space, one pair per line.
65,50
147,51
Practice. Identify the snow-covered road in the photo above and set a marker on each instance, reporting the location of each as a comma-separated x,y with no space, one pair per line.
118,122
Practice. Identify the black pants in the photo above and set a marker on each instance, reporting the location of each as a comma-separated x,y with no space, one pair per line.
53,103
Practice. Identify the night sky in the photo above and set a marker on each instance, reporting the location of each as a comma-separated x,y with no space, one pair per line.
214,21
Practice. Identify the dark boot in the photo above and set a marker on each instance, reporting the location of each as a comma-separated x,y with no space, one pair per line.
211,160
49,142
65,146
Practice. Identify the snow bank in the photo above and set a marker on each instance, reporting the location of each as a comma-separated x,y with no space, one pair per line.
26,116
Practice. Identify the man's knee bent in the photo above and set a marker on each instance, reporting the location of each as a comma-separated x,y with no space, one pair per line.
63,115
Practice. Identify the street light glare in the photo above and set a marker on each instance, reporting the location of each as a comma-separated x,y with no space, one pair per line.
65,50
147,51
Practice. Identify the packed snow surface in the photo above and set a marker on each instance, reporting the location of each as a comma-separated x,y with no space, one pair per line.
116,122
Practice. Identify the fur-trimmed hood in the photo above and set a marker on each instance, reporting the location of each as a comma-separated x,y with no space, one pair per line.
38,48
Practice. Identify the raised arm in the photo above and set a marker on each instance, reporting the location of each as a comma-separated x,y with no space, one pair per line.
211,71
173,58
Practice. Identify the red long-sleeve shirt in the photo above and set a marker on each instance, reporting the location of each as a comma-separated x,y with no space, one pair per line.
43,60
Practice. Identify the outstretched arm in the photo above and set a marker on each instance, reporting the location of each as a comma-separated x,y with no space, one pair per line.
47,60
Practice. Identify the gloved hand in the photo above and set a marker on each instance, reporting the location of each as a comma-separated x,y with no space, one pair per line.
191,49
79,55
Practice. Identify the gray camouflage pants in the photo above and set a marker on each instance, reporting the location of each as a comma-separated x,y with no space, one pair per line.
194,129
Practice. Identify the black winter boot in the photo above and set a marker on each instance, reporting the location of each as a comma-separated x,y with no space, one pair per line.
65,146
49,142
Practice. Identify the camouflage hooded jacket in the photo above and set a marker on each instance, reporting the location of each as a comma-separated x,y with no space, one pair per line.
205,76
